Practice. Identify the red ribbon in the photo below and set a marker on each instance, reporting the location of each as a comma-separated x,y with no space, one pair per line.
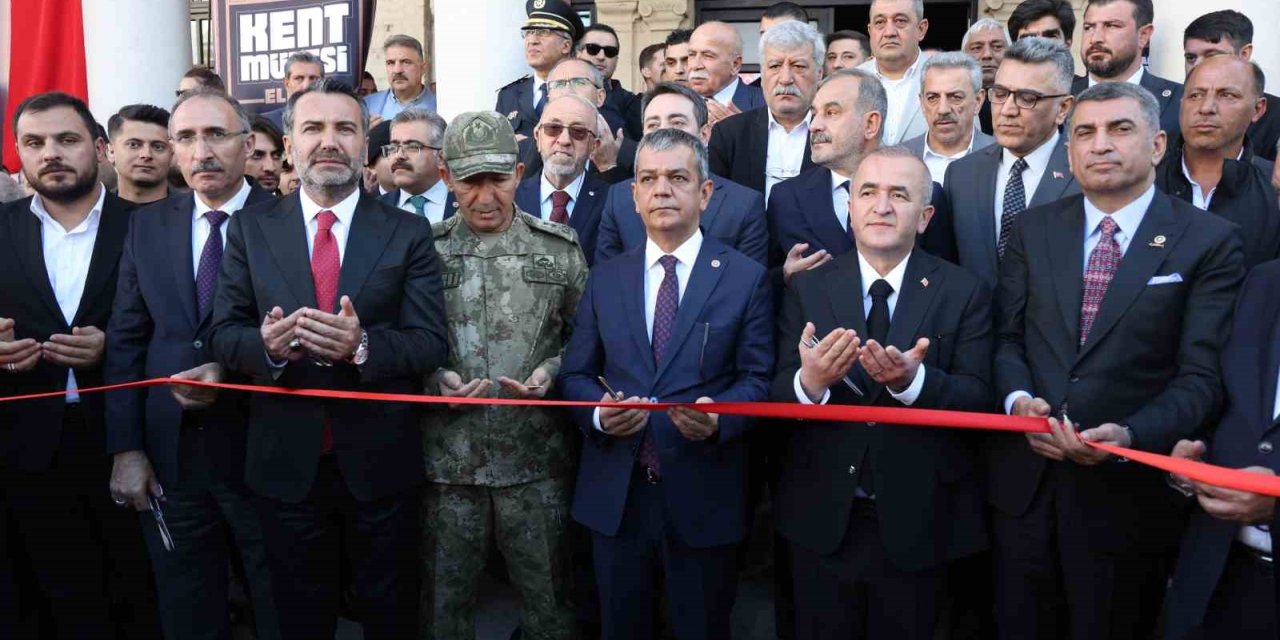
1199,471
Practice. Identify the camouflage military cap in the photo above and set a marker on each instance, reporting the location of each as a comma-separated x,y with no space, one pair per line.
479,142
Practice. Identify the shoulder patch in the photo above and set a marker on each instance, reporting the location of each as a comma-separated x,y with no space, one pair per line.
444,227
562,231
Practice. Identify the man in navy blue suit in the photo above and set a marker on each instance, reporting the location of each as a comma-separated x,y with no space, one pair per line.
715,58
563,191
682,319
413,149
735,215
184,443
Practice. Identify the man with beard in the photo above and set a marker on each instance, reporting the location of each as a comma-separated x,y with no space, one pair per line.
950,93
58,263
986,42
563,191
613,158
330,289
405,68
549,33
182,443
140,151
896,28
1114,35
266,159
413,154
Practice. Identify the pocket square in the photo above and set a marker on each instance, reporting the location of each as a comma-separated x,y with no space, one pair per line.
1172,278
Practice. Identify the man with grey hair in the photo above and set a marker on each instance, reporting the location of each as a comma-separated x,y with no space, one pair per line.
763,147
950,94
406,77
1113,304
663,492
300,70
986,42
1026,167
413,151
715,58
896,28
549,33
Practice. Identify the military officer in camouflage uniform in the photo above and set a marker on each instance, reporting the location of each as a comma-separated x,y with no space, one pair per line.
512,283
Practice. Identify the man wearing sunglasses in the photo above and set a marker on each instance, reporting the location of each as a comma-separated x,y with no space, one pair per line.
599,46
549,33
413,153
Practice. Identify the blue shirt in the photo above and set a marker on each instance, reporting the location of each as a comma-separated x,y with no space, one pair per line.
385,104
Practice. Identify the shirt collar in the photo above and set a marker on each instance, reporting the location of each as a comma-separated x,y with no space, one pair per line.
90,221
836,179
1136,78
930,153
231,206
873,66
422,93
345,210
725,96
1037,159
869,274
685,254
773,122
573,189
1127,218
1186,173
437,193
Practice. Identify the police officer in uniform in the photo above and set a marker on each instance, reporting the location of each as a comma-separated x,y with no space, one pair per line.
550,32
512,283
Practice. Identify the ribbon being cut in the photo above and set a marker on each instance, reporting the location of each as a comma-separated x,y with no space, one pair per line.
1201,472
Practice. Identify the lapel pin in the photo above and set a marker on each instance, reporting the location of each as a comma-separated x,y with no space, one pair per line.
1057,175
591,193
715,264
512,115
1157,242
924,282
1166,93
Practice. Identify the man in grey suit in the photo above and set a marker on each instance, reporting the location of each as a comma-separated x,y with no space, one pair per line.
1027,166
951,95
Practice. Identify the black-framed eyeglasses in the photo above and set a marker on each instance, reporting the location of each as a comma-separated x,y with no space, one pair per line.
411,149
594,49
577,133
574,83
1023,98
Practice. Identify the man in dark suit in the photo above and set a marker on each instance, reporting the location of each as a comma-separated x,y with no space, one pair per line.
1225,584
599,45
735,214
549,33
765,146
662,492
417,135
1115,34
329,289
874,513
563,191
1027,167
1113,311
183,443
59,251
1211,165
715,58
1230,33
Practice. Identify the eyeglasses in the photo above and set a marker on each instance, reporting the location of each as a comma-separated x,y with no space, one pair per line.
211,137
556,85
411,149
594,49
577,133
1023,98
540,34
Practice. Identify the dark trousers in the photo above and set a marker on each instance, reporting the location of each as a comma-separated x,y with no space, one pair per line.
10,613
858,593
1243,607
647,555
309,542
192,580
87,553
1050,584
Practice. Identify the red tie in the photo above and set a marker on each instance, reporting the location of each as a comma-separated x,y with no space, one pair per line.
325,268
560,207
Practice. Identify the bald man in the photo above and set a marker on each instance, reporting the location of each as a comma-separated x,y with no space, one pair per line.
715,58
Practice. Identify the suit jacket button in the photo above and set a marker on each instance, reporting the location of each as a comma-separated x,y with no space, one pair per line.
853,470
198,344
1075,379
1264,447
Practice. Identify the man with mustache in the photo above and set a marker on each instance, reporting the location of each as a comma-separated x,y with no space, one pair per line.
266,161
563,191
1212,166
950,93
1230,33
1115,33
140,151
413,155
59,251
549,35
330,289
184,444
715,58
406,66
896,28
986,41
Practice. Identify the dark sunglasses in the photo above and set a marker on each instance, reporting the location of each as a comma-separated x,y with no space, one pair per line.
593,49
578,134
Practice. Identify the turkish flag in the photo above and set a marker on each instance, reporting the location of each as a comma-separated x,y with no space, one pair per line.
46,54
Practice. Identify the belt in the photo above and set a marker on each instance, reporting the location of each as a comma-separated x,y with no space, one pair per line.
1254,555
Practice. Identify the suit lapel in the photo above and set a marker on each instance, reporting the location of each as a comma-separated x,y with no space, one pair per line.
529,196
112,228
713,207
586,210
987,203
1162,93
256,195
177,232
1270,368
1140,262
844,293
1057,177
1065,240
288,245
911,111
702,281
821,212
913,300
30,245
370,229
633,303
760,155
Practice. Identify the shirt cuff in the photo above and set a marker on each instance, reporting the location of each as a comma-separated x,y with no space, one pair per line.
595,421
912,393
1012,398
804,397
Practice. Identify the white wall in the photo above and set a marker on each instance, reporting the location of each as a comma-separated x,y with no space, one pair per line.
135,52
482,51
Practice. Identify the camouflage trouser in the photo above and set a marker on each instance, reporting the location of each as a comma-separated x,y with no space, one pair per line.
529,521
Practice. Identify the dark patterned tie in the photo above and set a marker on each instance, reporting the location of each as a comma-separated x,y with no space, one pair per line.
1103,262
664,321
1015,202
560,207
843,193
542,100
210,262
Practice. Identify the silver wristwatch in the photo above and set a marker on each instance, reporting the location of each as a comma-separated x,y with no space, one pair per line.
361,354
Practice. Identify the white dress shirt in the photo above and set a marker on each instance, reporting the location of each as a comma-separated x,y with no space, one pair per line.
840,187
1256,536
573,190
899,92
686,255
785,155
1136,78
200,225
1127,219
537,90
1037,164
725,95
1199,198
345,211
436,197
67,255
869,276
938,162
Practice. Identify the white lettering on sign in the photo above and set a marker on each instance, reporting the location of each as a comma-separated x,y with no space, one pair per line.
268,38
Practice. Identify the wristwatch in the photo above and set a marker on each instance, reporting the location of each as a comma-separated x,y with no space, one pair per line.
361,354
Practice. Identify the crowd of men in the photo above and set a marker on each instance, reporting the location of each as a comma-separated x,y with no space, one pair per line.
975,230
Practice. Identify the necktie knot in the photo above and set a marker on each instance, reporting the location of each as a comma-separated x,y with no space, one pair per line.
419,204
1108,227
326,219
843,186
560,198
216,218
668,263
1018,167
881,289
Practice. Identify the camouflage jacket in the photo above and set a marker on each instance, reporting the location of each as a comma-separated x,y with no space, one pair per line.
510,307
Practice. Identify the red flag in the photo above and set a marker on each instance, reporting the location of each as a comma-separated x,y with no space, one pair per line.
46,54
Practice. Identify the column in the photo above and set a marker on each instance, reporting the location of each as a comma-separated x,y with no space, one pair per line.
479,51
131,59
